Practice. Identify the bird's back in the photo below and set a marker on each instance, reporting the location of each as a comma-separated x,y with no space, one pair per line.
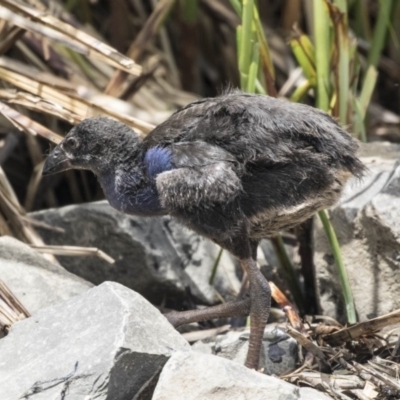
258,128
292,159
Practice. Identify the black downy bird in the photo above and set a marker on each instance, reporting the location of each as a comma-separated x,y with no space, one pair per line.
236,169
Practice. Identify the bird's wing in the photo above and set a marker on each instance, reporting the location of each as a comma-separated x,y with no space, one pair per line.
203,176
198,153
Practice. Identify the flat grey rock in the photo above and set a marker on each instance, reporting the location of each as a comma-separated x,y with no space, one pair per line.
367,223
156,257
279,353
35,281
107,343
196,376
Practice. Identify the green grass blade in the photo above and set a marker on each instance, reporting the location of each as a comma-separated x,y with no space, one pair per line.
301,91
359,126
303,58
381,28
362,103
253,71
260,87
264,48
325,100
245,41
342,273
236,6
215,267
308,48
368,88
339,18
342,6
322,52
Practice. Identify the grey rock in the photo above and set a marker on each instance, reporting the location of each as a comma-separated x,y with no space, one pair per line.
35,281
198,256
279,353
196,376
105,344
145,260
156,257
367,223
313,394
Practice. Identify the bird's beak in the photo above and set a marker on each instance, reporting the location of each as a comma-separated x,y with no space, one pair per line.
57,161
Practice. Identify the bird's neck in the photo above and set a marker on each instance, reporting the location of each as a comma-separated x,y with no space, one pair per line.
131,190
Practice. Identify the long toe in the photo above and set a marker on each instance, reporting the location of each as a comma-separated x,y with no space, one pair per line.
237,308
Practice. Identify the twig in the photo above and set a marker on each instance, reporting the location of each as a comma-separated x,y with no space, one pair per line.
74,251
11,309
362,328
307,344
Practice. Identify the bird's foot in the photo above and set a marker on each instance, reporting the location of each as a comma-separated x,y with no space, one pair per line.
237,308
258,306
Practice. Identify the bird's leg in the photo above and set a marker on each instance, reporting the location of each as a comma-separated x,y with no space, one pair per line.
258,305
237,308
260,298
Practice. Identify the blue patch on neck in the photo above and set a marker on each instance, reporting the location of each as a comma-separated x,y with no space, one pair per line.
140,200
158,160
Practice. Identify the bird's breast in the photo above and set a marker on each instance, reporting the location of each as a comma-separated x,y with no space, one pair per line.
142,200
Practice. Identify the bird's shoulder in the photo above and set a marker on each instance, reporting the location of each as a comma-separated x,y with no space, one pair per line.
195,154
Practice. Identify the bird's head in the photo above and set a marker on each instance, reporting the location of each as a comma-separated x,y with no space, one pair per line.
96,144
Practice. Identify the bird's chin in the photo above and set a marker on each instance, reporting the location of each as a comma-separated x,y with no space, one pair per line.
52,166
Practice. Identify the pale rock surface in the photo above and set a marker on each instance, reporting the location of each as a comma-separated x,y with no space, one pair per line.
279,352
196,376
35,281
108,343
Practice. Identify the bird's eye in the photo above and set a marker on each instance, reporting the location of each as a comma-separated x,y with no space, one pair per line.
98,147
72,143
